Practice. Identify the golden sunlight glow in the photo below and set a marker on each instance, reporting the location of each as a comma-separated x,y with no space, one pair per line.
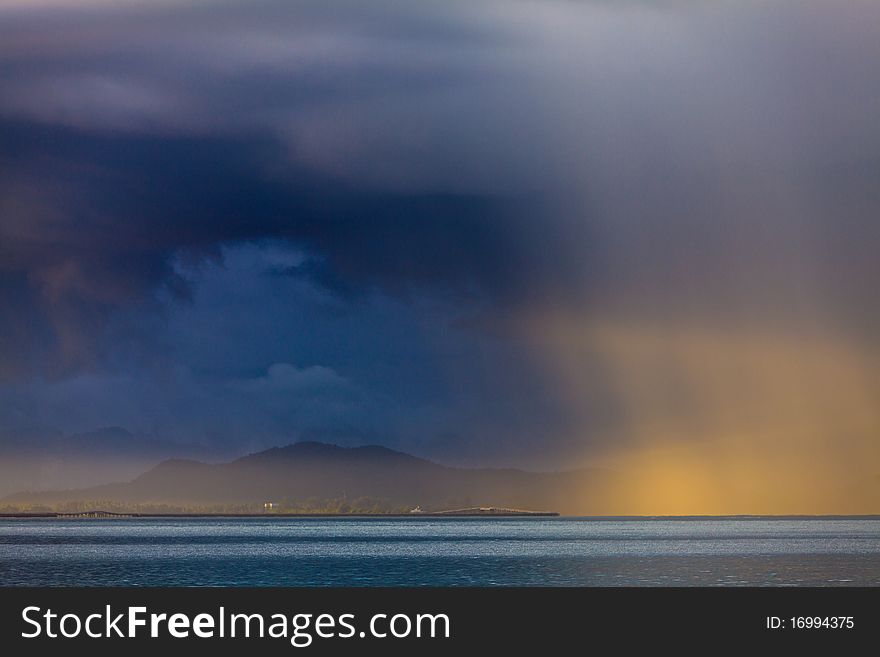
722,421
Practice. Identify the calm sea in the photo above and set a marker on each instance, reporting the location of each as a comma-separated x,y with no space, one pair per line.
440,552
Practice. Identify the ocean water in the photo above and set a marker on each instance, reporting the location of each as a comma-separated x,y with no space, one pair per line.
440,552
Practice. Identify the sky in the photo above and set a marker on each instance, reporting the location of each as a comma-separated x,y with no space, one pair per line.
632,235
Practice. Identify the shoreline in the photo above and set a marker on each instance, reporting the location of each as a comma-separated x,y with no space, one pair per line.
108,515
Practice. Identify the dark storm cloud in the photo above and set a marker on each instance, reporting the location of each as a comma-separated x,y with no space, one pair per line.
131,135
653,161
113,210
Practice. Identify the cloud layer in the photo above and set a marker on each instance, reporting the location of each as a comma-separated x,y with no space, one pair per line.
406,221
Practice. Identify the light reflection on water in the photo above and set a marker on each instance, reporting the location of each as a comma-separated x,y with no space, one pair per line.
440,552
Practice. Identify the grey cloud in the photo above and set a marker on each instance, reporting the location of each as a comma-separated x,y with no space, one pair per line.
714,160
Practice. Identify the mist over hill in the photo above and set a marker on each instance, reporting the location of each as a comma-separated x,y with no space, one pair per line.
292,476
40,459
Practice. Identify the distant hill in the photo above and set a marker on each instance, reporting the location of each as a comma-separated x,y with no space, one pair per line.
319,471
41,459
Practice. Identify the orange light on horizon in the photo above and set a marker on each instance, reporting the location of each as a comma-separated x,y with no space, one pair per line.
721,420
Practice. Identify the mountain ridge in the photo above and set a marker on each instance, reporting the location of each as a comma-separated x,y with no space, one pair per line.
312,470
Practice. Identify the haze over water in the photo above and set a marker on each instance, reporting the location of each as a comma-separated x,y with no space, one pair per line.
445,552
